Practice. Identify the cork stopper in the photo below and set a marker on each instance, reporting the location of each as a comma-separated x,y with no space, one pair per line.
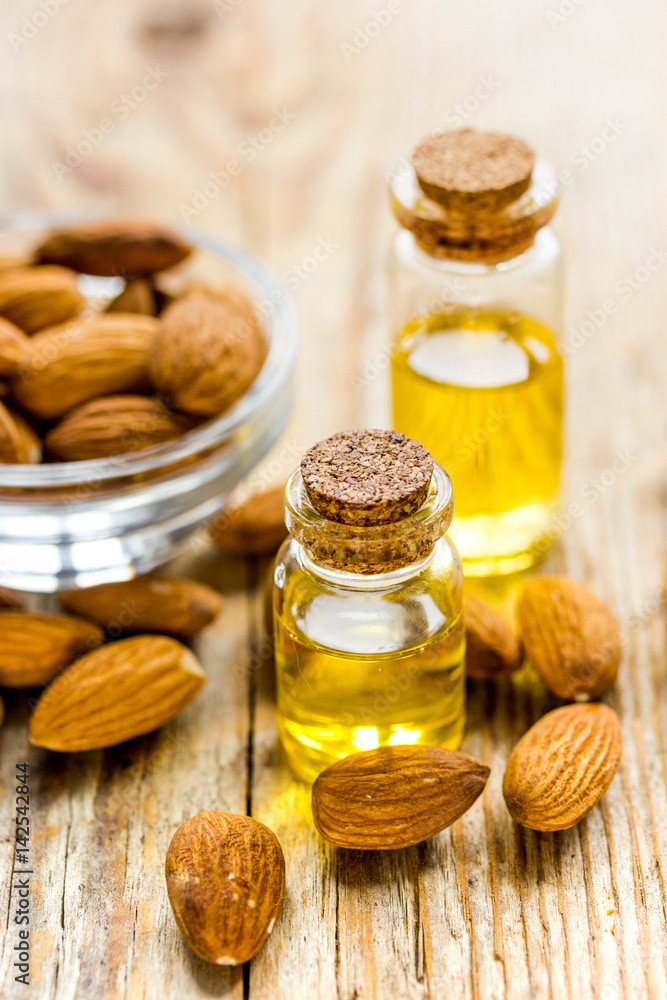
367,477
473,196
367,550
466,170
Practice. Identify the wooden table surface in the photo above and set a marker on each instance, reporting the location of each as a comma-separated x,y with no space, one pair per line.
315,101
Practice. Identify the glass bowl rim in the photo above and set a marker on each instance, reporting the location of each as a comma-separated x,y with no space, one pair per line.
280,361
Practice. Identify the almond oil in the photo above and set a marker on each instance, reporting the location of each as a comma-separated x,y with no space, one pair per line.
369,640
484,392
475,310
362,677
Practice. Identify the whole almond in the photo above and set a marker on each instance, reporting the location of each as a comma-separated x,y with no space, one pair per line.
67,365
36,297
13,342
34,647
395,796
492,648
126,247
562,766
226,883
571,637
255,527
114,425
115,693
138,296
208,350
150,603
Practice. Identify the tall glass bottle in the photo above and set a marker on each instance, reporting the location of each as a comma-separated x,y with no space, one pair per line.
475,290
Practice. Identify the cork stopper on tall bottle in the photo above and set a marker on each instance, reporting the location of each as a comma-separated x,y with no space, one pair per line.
474,196
473,171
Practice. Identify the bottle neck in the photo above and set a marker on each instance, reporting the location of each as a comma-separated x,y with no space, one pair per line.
375,551
477,238
364,581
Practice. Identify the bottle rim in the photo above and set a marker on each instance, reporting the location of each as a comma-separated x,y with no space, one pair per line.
369,550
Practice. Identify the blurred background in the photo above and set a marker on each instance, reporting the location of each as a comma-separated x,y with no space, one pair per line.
275,124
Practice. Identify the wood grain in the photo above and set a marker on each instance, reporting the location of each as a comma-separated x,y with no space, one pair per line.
484,911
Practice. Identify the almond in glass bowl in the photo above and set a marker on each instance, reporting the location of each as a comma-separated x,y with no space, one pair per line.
94,512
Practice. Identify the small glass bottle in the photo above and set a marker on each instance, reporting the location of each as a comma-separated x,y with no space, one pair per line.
476,311
369,640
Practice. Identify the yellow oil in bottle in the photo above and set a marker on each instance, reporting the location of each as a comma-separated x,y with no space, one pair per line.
483,391
333,702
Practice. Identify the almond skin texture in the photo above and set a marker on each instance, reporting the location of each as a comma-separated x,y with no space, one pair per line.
115,693
34,647
492,648
208,350
571,637
150,603
114,425
256,527
36,297
67,365
226,883
562,766
395,796
13,343
126,247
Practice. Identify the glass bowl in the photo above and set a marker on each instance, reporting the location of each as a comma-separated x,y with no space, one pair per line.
76,524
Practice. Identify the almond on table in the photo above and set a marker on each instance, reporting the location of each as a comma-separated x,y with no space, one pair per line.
226,883
571,637
34,646
395,796
562,766
115,693
492,647
151,603
255,527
